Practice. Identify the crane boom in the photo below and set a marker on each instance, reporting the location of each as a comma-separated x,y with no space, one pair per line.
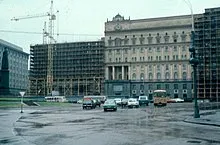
30,16
52,18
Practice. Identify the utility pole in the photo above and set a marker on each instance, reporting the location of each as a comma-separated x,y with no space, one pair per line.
194,62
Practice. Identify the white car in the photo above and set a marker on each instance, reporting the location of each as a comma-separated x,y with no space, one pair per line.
177,100
118,101
132,102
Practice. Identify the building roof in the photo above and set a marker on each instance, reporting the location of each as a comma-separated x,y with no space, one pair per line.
3,42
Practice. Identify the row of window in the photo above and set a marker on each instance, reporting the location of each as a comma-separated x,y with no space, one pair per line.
125,40
159,86
150,49
150,58
158,67
158,76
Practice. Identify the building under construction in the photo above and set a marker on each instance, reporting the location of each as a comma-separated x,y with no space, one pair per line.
78,68
207,41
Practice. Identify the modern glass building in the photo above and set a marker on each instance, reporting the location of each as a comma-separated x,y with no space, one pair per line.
14,69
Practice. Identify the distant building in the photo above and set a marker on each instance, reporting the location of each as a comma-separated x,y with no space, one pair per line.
78,68
207,42
13,69
148,54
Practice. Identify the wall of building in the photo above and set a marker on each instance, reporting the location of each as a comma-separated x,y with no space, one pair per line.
207,44
78,68
18,67
150,54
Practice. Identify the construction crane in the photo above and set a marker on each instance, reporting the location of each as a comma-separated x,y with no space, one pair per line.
50,34
30,16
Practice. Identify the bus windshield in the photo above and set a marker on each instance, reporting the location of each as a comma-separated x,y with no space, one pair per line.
160,93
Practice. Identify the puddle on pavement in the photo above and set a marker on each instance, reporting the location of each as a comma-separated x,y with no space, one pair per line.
193,141
83,120
40,125
7,140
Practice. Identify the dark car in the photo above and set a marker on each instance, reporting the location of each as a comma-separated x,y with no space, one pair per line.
143,100
97,102
88,104
110,105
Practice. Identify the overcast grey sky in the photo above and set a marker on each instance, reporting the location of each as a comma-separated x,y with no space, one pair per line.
84,19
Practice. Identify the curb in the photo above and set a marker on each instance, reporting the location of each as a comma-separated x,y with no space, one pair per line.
203,121
208,112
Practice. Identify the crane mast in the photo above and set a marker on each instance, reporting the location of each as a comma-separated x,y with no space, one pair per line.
50,51
50,46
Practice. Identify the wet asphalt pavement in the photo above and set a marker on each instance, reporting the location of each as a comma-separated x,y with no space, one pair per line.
74,126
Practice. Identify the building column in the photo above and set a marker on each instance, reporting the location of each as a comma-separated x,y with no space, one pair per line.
171,72
122,73
180,74
113,72
129,72
154,72
106,73
189,71
163,71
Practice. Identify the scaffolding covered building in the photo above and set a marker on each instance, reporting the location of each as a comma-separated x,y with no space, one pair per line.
207,42
78,68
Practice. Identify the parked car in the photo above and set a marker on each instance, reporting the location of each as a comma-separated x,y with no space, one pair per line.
143,100
132,102
98,102
118,101
175,100
88,104
80,101
110,105
124,102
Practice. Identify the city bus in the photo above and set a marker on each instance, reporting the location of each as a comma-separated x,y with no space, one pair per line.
55,99
160,97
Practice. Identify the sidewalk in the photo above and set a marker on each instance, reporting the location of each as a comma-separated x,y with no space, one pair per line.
211,117
8,135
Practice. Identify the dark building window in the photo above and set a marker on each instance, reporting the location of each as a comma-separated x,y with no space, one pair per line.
150,87
141,87
175,86
184,86
167,86
158,86
141,39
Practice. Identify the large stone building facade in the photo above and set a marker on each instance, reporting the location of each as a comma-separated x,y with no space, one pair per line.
148,54
13,69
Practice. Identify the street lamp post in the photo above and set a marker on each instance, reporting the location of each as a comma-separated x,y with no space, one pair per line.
194,62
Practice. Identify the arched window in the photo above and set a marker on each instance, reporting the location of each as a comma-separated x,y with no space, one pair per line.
142,76
117,42
184,75
167,75
150,76
175,75
158,76
134,76
158,67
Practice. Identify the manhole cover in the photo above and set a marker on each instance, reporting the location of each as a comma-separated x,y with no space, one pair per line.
193,141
